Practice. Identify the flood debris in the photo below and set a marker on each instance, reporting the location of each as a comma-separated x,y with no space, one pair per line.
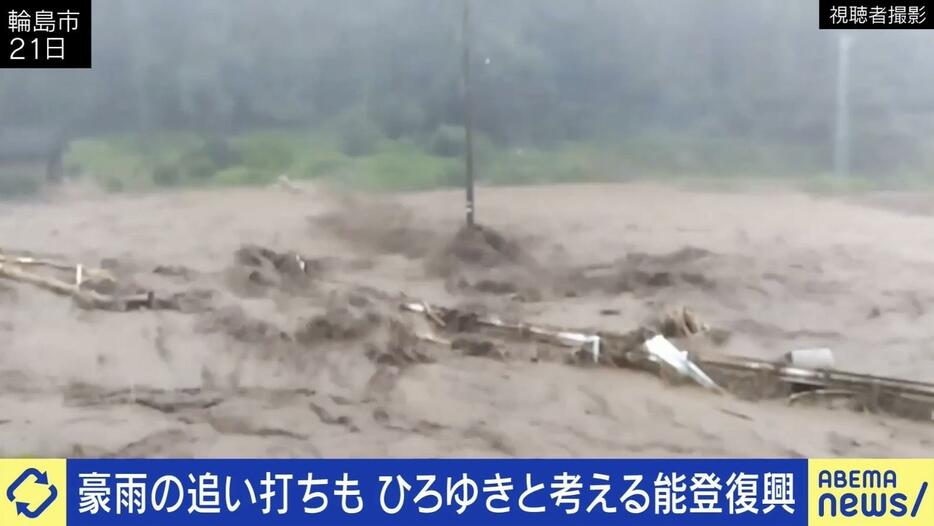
828,396
465,321
681,323
598,347
89,287
257,270
897,396
269,265
821,358
364,315
798,377
591,340
662,350
83,276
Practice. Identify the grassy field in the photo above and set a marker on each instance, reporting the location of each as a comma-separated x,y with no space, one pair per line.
364,160
181,159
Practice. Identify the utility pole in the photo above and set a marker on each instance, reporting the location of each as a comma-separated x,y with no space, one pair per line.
468,119
841,148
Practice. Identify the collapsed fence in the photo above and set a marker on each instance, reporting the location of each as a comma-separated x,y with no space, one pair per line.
645,349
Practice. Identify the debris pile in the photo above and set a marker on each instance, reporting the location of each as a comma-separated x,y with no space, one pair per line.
257,267
647,348
365,317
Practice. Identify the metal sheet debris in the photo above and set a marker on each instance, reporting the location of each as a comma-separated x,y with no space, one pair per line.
661,349
821,358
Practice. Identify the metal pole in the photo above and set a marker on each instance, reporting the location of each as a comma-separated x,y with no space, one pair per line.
841,153
468,118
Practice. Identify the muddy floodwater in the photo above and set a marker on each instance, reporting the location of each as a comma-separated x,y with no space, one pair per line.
291,347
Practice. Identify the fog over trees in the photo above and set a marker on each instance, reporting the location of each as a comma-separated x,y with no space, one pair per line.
750,81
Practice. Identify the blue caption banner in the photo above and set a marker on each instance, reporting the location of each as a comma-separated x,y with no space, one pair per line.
414,492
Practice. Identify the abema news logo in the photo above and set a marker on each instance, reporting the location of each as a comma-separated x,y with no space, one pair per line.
877,492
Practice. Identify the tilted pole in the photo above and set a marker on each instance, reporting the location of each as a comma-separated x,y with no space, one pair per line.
468,118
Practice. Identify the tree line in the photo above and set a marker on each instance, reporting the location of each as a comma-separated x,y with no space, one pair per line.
545,72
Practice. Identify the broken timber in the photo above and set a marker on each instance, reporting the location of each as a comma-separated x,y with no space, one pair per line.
14,268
